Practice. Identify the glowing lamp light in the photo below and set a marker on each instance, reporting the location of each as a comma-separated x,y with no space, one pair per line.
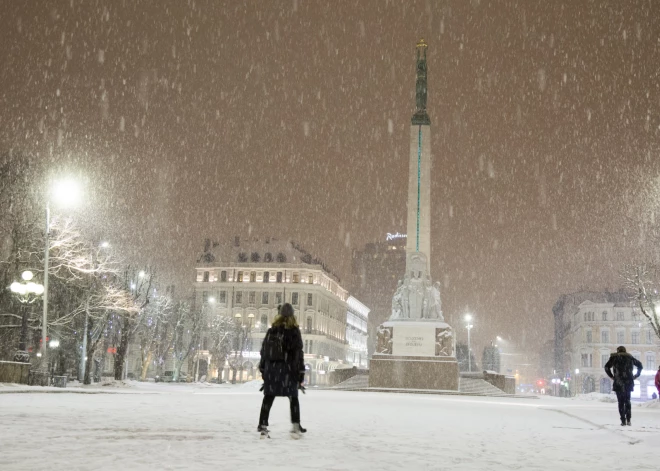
468,317
67,192
17,288
27,275
54,343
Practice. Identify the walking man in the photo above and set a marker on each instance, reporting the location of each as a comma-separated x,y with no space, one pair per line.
624,381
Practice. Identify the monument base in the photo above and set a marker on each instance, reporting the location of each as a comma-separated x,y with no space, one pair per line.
409,372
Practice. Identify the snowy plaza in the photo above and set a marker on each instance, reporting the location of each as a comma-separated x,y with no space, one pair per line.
195,426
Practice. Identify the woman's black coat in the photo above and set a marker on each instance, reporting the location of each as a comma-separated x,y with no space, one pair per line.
281,378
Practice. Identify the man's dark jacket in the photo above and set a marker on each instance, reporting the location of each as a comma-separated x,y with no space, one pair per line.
623,363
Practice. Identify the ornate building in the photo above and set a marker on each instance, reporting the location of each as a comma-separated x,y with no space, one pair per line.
356,332
593,330
248,280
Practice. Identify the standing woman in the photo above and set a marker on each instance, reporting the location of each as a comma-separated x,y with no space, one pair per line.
282,368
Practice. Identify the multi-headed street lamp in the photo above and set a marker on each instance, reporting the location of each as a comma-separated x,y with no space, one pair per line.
27,292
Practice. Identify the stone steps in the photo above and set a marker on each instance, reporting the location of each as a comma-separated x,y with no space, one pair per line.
467,386
479,387
354,382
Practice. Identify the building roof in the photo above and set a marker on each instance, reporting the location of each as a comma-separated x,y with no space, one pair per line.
269,250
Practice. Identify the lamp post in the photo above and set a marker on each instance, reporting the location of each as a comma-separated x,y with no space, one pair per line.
468,326
65,192
238,317
27,292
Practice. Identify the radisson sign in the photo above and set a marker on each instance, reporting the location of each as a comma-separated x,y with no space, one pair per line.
395,236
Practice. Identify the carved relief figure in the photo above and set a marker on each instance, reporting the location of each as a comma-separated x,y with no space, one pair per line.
444,342
384,340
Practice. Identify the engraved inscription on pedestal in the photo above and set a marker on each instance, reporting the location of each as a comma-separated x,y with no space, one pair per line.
412,339
384,344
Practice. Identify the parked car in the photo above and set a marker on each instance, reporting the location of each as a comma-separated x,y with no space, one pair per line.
168,377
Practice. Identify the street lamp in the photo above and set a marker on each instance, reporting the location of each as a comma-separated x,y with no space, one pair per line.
27,293
468,326
65,192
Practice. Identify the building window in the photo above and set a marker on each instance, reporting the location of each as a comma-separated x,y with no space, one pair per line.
223,296
604,357
311,279
605,316
588,316
589,336
268,257
240,277
648,337
650,361
605,336
620,337
296,278
253,276
294,299
634,338
278,298
279,277
309,325
252,295
205,297
255,257
636,355
309,299
266,277
311,346
206,277
242,257
264,297
620,316
587,360
238,297
264,321
223,276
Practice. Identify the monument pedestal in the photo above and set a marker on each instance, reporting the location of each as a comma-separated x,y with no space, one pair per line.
399,372
414,355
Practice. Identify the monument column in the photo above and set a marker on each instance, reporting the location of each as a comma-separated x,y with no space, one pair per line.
416,347
419,167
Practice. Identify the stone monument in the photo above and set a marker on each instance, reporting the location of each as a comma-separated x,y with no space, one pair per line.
415,347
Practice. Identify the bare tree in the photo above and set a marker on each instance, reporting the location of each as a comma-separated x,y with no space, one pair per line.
139,283
222,334
644,282
187,336
155,332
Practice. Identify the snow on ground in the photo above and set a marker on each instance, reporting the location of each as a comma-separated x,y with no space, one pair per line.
182,426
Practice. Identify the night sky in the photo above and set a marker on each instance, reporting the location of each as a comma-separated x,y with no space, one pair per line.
291,119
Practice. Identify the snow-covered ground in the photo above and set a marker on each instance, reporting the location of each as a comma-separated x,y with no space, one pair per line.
179,426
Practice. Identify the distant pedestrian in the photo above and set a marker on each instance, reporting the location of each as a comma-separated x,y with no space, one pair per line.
657,380
282,368
624,379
